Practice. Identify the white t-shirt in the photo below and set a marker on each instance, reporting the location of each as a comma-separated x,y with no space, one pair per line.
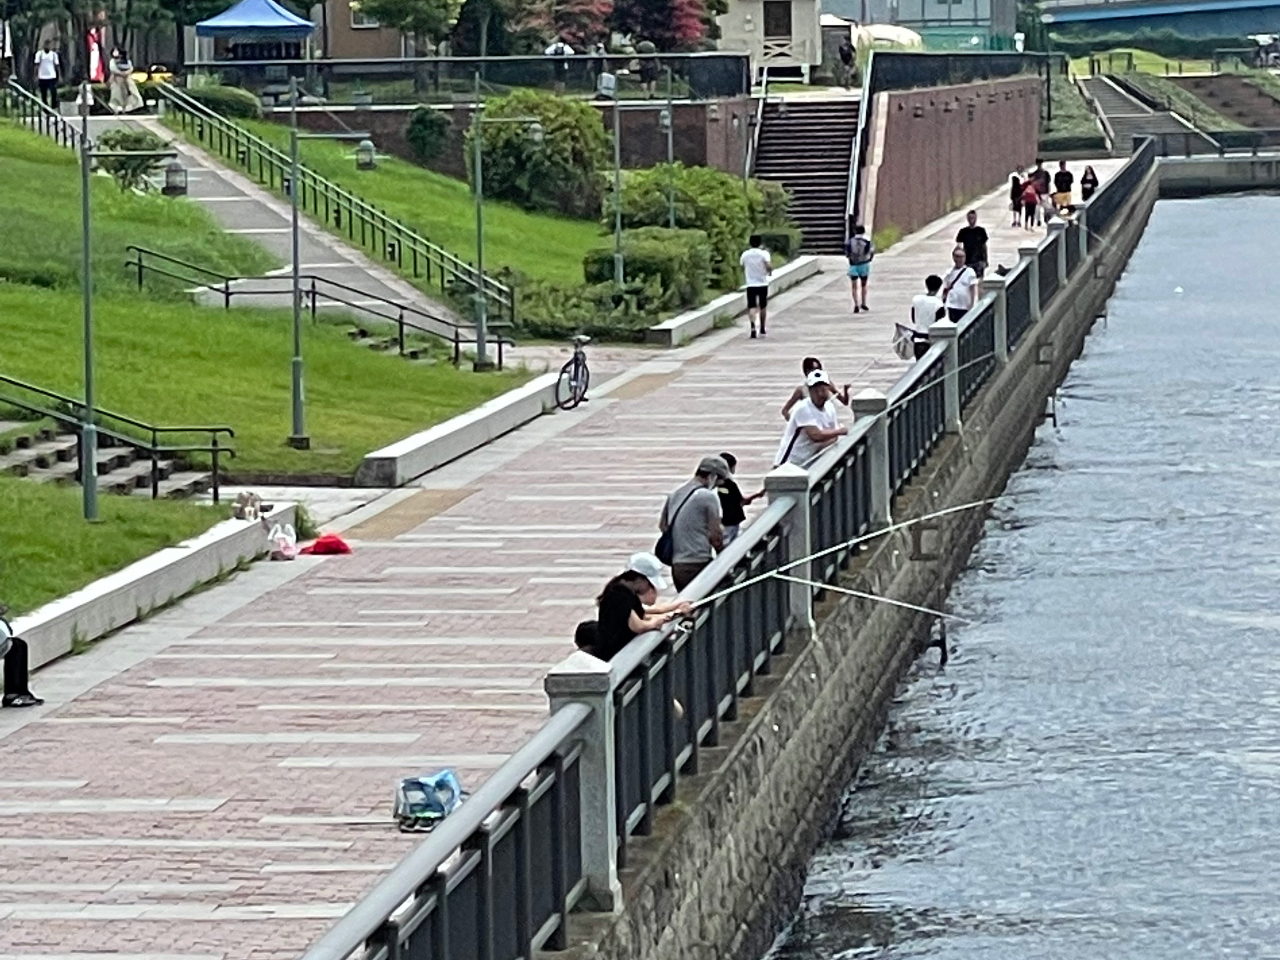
959,283
924,311
755,264
46,64
806,413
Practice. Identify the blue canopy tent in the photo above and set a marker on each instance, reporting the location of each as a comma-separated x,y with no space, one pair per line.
256,30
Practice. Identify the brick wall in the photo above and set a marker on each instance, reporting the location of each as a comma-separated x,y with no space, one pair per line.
936,149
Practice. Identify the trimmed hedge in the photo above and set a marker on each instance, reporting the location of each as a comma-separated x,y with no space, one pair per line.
679,261
1166,43
227,101
1072,143
784,241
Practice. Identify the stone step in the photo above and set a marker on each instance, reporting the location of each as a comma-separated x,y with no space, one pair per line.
177,485
40,455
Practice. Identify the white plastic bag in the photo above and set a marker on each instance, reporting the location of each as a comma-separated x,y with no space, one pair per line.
903,342
284,542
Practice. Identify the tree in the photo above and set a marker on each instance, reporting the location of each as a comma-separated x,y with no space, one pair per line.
131,172
580,23
427,21
670,25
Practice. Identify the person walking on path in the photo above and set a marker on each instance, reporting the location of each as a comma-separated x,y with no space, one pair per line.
846,62
807,366
732,503
1063,181
1088,184
124,92
813,425
757,265
690,522
1015,197
13,649
48,69
926,309
959,287
627,607
860,251
974,240
1030,203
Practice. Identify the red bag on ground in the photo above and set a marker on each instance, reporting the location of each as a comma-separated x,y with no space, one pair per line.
328,543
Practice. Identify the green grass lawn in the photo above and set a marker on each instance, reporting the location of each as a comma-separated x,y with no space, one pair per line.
1144,61
1073,120
40,207
442,209
50,551
1183,102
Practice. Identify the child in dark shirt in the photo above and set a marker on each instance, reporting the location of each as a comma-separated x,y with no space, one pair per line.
732,503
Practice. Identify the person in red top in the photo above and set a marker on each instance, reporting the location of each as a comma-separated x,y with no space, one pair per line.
1030,203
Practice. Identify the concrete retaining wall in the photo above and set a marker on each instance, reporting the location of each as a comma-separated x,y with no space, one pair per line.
725,865
1198,176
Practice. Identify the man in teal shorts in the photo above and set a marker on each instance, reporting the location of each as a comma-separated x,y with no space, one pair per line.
860,251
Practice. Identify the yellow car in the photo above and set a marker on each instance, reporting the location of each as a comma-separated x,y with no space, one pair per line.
156,72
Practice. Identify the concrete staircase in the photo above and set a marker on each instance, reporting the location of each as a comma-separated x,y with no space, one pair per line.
1233,96
49,455
1130,118
806,146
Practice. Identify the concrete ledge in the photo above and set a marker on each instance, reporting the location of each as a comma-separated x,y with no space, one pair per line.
128,595
694,323
413,456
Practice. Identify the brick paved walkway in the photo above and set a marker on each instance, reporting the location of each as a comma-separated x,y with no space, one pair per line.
216,782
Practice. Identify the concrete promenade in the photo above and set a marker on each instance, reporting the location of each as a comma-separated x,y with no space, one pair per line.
216,782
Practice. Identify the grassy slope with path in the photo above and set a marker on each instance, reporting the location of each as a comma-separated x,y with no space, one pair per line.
442,209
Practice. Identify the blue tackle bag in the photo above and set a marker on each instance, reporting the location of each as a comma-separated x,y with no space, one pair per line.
422,802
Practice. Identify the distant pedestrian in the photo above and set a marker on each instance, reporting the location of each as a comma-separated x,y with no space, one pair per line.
1030,204
926,309
1015,197
561,52
628,607
691,514
807,366
846,55
732,502
959,287
13,649
860,251
814,424
757,265
1041,177
1063,181
974,240
1088,184
48,69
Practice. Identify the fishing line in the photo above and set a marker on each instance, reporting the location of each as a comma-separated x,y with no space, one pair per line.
871,596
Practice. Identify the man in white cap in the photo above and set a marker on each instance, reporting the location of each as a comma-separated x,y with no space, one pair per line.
813,424
690,522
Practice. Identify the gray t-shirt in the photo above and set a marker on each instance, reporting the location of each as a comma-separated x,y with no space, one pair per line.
691,532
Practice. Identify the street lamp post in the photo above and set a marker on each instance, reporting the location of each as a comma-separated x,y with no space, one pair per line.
618,266
669,122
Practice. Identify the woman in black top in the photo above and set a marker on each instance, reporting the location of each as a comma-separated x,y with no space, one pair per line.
1015,198
628,608
1088,183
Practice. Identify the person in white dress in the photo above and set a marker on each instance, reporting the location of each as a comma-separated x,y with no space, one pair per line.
124,96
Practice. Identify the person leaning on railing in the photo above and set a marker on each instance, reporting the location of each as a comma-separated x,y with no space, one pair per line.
628,607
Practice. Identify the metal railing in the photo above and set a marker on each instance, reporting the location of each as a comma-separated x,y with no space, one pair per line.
1112,195
1048,272
1225,142
30,111
363,224
118,429
641,721
316,292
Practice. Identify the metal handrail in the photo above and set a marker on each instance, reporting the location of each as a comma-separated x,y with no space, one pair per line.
753,142
451,267
409,881
855,159
45,119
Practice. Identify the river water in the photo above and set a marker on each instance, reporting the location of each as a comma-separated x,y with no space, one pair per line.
1096,773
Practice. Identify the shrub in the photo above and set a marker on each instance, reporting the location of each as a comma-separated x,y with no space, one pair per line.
1072,143
427,134
228,101
131,172
557,312
708,200
562,173
784,241
679,261
1165,42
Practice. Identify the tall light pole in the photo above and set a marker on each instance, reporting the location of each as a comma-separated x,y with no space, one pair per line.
667,120
298,438
619,271
88,429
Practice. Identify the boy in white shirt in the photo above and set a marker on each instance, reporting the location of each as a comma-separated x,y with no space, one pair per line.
926,309
757,265
813,424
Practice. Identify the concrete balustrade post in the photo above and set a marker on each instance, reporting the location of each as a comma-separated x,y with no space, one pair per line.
1058,236
792,481
1031,254
873,403
581,678
946,331
999,286
1082,235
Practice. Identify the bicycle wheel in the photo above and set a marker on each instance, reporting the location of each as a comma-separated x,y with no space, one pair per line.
584,380
568,394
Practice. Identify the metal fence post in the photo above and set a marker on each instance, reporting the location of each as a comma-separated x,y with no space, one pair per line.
581,678
792,481
1032,254
873,403
1058,237
1082,234
1000,325
946,331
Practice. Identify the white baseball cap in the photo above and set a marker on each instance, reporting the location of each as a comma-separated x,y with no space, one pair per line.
649,567
816,377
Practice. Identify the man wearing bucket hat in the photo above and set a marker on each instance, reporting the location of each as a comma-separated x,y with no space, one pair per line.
813,424
690,523
628,607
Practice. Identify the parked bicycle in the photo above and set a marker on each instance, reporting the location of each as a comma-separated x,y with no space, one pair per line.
571,388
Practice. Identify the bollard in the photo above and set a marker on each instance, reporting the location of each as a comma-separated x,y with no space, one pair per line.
581,678
999,287
1032,254
789,480
946,331
873,403
1058,237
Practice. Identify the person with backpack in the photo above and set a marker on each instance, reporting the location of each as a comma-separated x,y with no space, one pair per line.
860,251
690,523
960,287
